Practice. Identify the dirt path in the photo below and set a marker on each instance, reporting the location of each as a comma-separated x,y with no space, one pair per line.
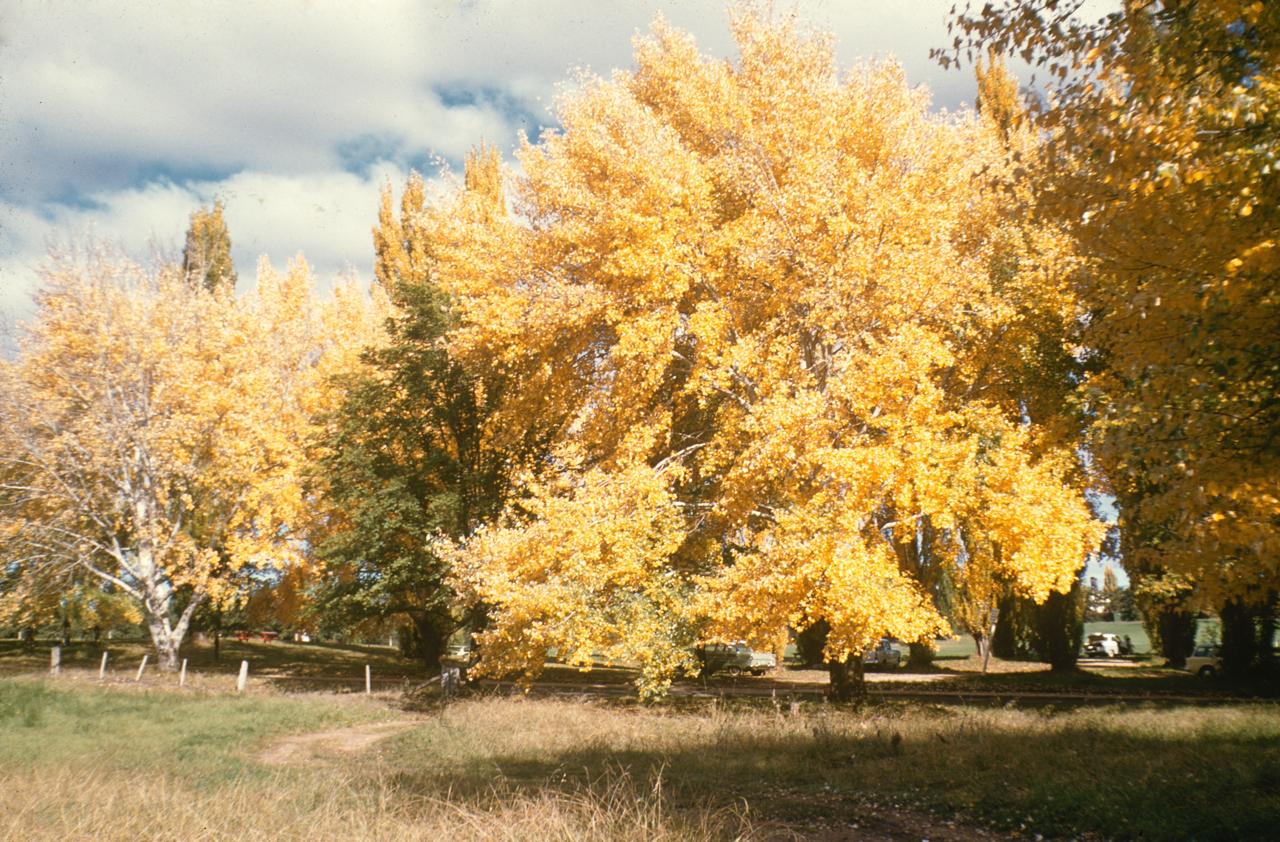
303,748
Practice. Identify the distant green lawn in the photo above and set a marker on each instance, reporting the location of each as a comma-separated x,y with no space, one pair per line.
963,646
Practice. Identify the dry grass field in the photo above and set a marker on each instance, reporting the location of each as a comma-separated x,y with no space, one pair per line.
126,762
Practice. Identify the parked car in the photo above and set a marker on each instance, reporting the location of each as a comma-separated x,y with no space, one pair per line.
886,653
735,659
1102,645
1205,660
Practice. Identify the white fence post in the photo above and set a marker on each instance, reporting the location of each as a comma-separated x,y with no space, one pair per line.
368,680
55,660
182,676
450,678
244,676
142,667
102,668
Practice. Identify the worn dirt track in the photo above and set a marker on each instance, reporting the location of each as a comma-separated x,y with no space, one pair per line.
305,748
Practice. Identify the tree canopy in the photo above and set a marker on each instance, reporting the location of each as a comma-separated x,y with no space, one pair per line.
1159,160
154,433
783,331
206,257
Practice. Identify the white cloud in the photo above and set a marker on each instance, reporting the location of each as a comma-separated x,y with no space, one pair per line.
112,94
124,116
327,216
111,91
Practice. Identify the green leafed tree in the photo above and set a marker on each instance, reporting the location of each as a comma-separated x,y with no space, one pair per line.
410,453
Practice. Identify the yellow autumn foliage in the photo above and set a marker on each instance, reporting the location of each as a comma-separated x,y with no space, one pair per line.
776,314
155,431
1161,145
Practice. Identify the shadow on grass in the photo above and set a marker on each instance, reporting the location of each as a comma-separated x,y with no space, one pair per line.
1129,679
290,667
1095,681
1142,773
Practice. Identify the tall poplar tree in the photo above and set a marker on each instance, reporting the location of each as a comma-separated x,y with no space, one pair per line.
206,257
410,452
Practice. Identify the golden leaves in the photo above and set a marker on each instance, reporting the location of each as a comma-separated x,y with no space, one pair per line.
780,328
1165,176
167,424
586,575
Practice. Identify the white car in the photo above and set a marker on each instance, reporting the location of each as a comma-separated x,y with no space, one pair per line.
1204,661
1102,645
735,659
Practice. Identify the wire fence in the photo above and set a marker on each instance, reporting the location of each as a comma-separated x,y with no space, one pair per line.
143,672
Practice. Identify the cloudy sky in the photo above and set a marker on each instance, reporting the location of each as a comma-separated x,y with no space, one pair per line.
119,118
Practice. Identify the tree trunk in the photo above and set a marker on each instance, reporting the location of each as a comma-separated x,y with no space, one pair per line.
166,646
1267,635
988,631
217,633
1177,635
983,643
780,653
431,640
1004,640
848,679
920,654
1060,622
1239,636
166,635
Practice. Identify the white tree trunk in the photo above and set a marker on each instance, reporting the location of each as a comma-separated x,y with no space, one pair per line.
157,603
165,643
165,634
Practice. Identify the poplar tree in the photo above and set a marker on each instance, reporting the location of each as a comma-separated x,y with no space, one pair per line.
411,452
206,257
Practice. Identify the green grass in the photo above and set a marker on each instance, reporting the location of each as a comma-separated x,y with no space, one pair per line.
194,736
963,646
1137,633
80,762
